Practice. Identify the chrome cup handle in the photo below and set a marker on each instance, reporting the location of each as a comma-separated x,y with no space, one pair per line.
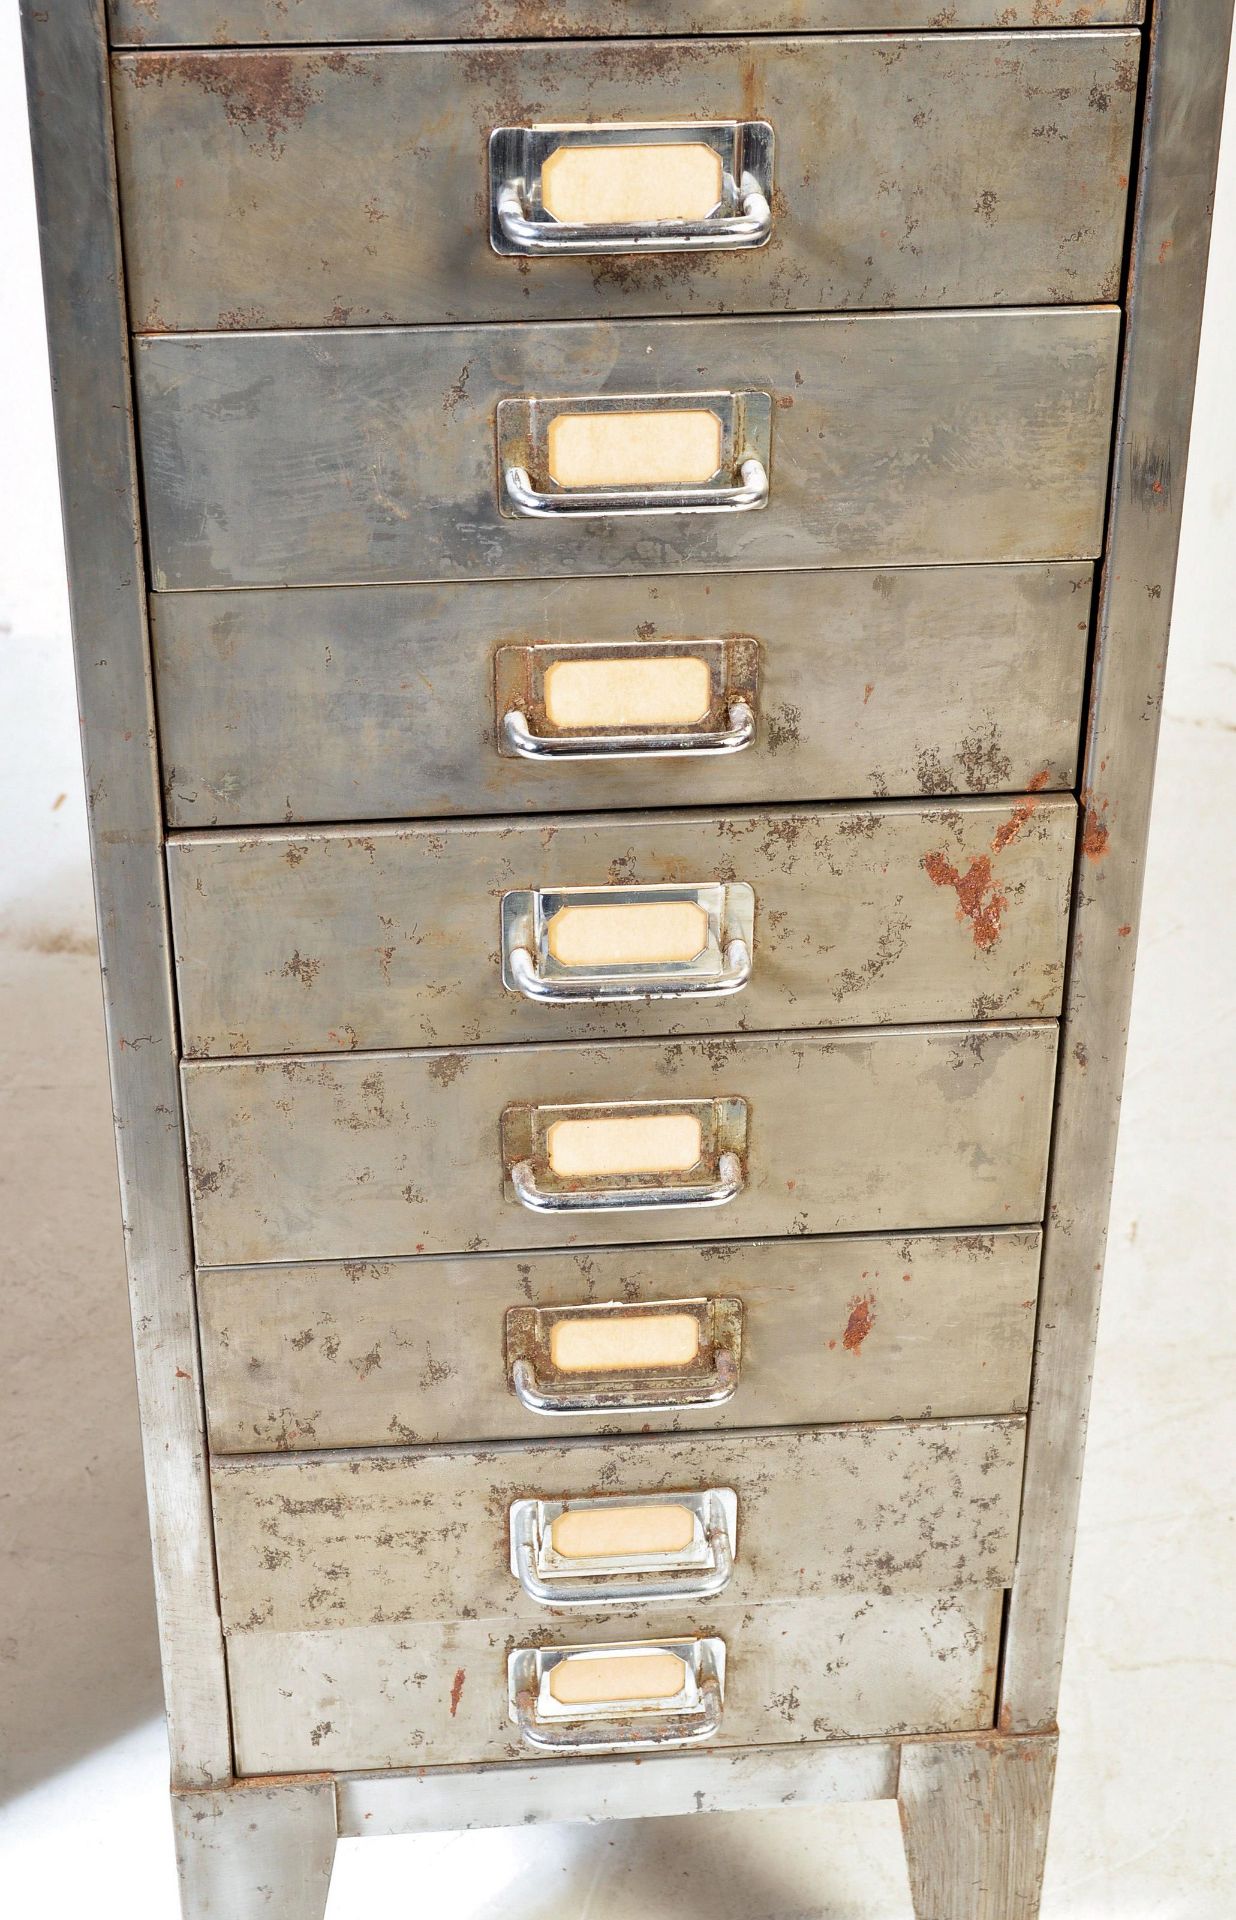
751,226
666,1396
626,1731
717,1193
629,1585
734,738
528,980
665,1730
586,503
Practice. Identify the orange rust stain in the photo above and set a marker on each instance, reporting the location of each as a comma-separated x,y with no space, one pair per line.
1021,813
868,690
979,896
860,1323
1164,250
1125,930
457,1687
979,899
1096,835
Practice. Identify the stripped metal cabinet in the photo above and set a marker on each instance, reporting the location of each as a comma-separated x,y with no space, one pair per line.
675,788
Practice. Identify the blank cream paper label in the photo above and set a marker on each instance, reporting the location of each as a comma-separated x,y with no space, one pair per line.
636,185
669,447
590,1682
618,1533
643,932
608,1343
643,1143
663,691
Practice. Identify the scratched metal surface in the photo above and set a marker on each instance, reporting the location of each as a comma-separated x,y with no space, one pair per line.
885,196
357,1540
365,1156
363,703
203,22
311,943
856,1666
1188,70
367,455
368,1352
92,397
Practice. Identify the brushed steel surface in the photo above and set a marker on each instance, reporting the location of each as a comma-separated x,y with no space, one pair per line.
1188,65
858,1665
364,1156
429,1799
365,1353
923,176
362,703
367,455
392,936
354,1540
205,22
93,408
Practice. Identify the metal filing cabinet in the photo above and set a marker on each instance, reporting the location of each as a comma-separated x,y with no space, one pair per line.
621,560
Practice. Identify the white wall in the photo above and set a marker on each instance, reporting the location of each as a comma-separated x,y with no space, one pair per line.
44,884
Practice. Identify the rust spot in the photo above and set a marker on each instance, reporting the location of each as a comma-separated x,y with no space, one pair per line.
1096,835
447,1068
868,690
1125,930
457,1687
1150,469
268,93
300,968
1020,814
979,899
860,1322
456,393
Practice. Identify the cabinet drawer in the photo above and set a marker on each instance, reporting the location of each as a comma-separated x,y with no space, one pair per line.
360,456
371,1539
847,1666
362,703
426,1351
156,23
912,182
361,1156
504,930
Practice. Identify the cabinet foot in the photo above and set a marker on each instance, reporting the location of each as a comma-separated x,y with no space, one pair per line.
974,1813
260,1852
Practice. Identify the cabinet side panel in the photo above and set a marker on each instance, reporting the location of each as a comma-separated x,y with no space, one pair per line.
1187,76
83,282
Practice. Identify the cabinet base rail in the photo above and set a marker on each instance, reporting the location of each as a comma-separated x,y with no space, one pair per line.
974,1815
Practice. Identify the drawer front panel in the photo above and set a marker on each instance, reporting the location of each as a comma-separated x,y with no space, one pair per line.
362,1540
403,936
369,1156
359,703
413,1351
349,457
911,182
394,1696
139,23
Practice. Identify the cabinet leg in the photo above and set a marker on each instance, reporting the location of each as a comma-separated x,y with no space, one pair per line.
255,1851
974,1813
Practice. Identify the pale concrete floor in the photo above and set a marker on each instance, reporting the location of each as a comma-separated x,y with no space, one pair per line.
1143,1827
